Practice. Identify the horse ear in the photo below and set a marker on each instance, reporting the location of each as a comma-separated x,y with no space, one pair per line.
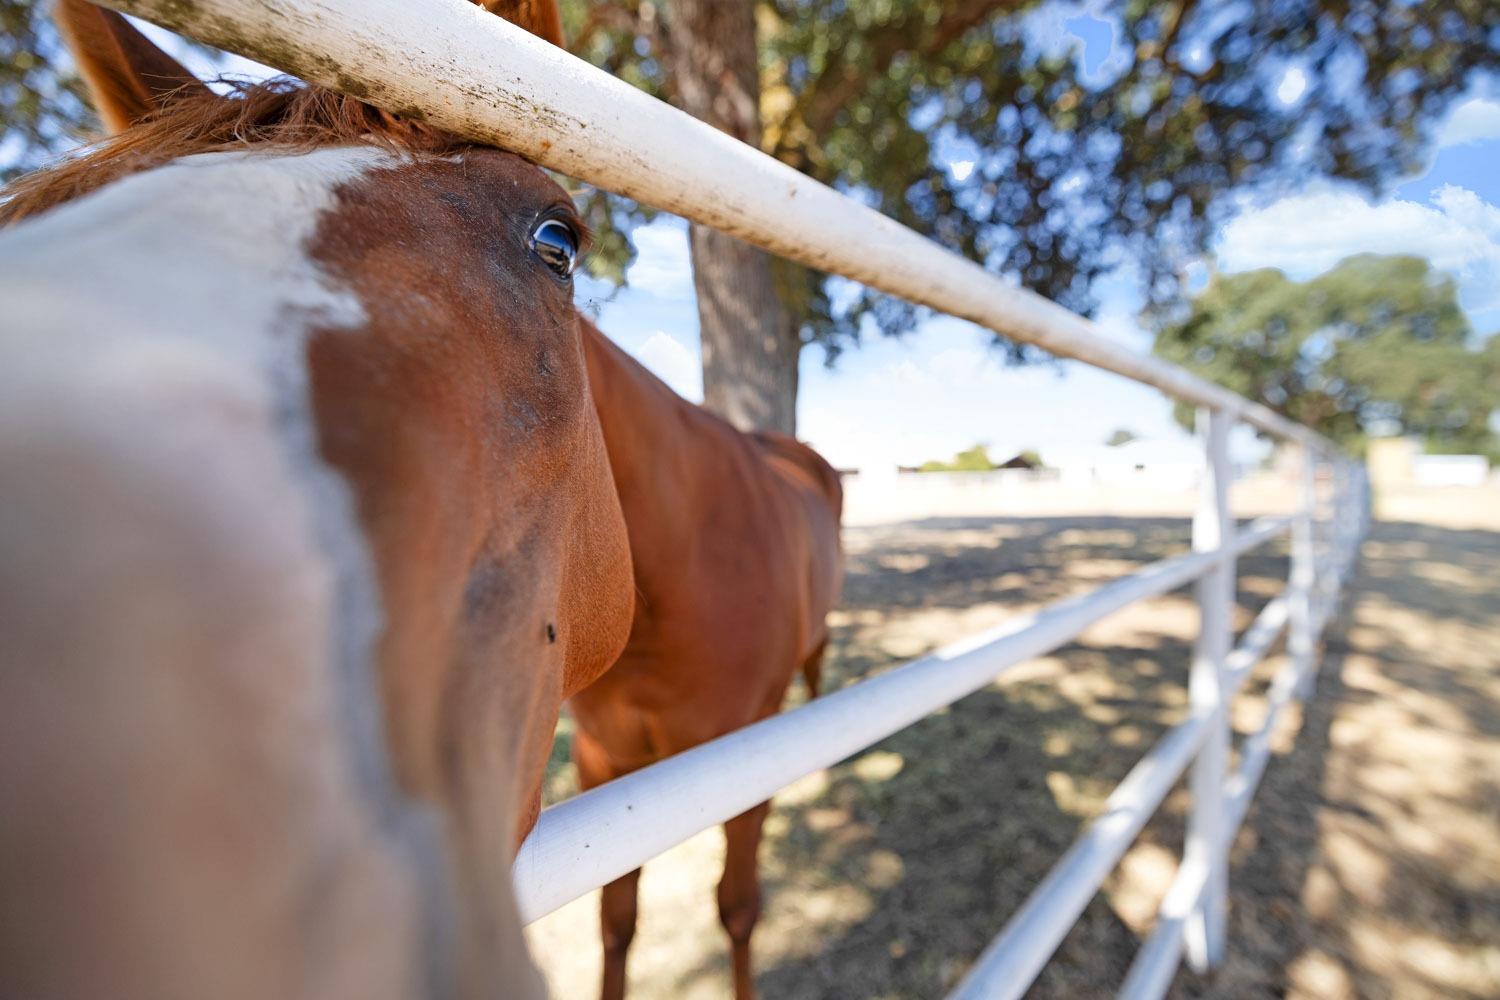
128,77
540,17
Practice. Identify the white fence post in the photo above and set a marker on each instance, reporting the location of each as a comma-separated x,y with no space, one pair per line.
1303,577
1213,529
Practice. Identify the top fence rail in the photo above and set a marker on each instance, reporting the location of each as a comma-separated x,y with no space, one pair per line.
462,69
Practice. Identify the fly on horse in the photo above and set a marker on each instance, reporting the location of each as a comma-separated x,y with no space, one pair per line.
308,530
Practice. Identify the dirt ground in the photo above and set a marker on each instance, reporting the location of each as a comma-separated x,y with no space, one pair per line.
1369,865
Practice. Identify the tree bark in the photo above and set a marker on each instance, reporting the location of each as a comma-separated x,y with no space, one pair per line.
750,345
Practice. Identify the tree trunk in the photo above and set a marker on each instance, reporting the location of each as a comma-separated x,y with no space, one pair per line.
750,346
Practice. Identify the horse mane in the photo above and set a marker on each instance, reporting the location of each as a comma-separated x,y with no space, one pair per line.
280,112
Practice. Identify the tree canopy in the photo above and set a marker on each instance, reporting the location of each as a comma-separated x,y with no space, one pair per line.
975,459
1375,345
43,108
1070,165
44,105
1075,167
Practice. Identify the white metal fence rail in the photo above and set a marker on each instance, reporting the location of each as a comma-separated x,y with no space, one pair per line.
480,77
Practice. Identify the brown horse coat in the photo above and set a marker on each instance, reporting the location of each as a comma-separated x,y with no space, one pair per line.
735,542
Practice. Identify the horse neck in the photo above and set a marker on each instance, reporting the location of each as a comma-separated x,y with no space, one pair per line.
643,422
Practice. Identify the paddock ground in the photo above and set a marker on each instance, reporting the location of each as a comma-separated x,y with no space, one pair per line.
1369,865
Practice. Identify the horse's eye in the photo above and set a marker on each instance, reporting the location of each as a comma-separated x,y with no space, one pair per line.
555,242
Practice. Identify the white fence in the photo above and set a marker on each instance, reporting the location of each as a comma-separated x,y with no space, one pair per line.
479,77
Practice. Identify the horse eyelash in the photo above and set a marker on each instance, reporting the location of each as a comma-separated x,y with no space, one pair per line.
585,235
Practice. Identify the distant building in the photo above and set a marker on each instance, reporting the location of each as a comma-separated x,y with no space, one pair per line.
1395,462
1452,470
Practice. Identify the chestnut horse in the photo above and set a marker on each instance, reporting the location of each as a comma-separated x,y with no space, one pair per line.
735,542
307,532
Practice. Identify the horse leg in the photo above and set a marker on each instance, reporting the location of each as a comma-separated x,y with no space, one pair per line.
812,669
617,903
739,892
617,909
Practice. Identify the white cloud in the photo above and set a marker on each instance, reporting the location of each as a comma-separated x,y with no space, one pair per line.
663,266
1293,83
943,370
1478,214
1307,234
673,363
1474,120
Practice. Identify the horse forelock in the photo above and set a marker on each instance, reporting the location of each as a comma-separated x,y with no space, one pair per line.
280,113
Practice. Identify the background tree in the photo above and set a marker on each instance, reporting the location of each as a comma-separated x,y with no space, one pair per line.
750,347
41,99
1122,436
1075,168
1375,345
44,109
975,459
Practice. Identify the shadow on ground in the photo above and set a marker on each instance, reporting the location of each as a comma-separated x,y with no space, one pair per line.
987,795
1370,866
887,877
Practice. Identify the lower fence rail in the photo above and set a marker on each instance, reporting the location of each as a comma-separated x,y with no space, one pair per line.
1014,959
1156,962
596,837
1009,965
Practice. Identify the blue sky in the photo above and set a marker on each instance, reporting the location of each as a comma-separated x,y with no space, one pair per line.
953,391
942,388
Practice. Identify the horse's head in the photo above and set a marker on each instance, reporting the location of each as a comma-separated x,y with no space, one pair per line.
403,301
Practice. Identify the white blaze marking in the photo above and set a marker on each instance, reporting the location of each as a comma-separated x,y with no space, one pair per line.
208,250
190,286
197,273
